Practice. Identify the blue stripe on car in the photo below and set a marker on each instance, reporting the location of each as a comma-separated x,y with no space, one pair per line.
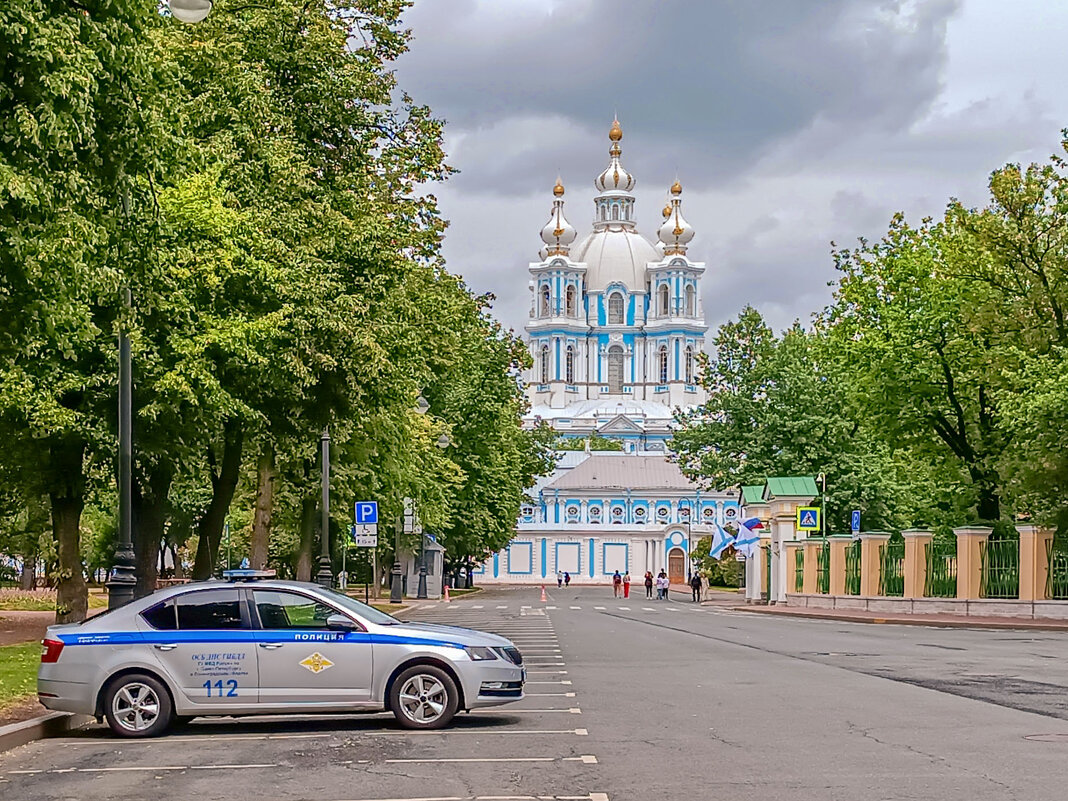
242,635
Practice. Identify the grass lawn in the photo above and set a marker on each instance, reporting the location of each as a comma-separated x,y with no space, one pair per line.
18,672
41,600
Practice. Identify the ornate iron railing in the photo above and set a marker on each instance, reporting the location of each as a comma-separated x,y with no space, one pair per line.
852,568
799,569
1001,569
1057,575
892,569
823,568
940,579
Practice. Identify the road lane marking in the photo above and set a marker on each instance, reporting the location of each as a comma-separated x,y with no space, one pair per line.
520,711
550,695
585,759
624,609
502,607
574,607
599,608
479,732
478,606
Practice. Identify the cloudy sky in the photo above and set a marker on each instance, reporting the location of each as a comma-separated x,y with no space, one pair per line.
791,123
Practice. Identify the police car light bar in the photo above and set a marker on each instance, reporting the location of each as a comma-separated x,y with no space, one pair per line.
247,575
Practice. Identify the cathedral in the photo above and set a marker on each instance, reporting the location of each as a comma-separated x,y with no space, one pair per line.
616,325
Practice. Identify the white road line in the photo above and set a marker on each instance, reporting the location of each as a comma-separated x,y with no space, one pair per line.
513,711
548,682
550,607
585,760
540,672
599,608
574,607
624,609
479,732
648,609
478,606
550,695
671,609
502,607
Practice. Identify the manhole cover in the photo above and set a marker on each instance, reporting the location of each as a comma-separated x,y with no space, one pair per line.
1048,738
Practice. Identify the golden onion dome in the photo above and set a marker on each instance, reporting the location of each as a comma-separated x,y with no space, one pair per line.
558,190
615,133
676,188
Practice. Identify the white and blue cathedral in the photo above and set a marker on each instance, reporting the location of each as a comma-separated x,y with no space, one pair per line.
616,325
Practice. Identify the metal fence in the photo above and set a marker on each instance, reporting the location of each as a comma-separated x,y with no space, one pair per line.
892,569
799,569
1057,576
823,568
940,579
1001,569
767,571
852,568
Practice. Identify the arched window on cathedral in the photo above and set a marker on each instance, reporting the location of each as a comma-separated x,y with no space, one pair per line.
544,364
615,369
689,364
570,301
615,308
691,298
663,300
546,301
662,363
569,365
615,211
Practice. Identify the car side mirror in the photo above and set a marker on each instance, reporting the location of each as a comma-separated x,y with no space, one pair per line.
341,622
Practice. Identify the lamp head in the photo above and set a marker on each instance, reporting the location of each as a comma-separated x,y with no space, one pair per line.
190,11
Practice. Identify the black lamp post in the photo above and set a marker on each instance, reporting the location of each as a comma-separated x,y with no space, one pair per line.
123,580
325,577
443,442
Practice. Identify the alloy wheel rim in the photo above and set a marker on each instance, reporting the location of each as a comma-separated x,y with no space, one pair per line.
135,706
423,698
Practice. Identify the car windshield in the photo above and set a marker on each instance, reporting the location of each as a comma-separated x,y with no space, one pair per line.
368,613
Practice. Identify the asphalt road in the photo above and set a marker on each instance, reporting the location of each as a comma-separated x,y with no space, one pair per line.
637,699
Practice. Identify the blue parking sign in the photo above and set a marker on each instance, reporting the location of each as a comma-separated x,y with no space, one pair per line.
366,513
854,522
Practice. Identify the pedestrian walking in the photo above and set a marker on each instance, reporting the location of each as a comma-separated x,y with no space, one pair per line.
648,584
559,578
695,585
617,584
567,579
626,584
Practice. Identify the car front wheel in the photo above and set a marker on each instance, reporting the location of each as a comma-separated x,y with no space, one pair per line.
424,697
138,705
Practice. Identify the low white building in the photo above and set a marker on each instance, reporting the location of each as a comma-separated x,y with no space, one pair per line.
607,511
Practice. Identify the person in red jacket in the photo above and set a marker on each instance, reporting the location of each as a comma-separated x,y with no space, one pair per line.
626,584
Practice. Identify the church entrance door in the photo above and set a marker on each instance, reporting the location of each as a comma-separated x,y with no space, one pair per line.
677,566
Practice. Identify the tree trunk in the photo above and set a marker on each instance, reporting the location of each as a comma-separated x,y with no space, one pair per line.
308,507
988,504
149,519
67,496
223,484
28,574
261,521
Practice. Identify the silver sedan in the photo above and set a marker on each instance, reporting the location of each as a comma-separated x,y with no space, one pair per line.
261,646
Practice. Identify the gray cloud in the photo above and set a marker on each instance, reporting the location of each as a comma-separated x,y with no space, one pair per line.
721,81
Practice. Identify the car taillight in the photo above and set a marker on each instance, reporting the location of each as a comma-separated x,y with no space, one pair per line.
50,650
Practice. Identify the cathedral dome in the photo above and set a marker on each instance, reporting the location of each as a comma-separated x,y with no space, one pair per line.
615,177
616,256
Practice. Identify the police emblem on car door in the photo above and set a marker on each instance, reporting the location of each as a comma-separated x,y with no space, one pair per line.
302,659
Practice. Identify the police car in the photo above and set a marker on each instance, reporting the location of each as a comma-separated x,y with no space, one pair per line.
250,645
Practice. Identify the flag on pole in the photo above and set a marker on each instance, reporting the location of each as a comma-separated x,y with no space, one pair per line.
721,538
747,539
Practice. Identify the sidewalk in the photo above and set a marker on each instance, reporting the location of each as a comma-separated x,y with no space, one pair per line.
936,621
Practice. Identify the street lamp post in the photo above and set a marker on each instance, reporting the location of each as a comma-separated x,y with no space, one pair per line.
123,581
443,442
325,576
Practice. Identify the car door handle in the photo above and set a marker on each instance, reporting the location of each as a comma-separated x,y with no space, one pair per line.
270,646
166,646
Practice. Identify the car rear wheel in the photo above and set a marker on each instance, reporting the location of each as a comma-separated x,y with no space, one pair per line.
424,697
138,705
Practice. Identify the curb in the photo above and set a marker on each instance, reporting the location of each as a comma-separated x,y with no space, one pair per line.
962,623
54,724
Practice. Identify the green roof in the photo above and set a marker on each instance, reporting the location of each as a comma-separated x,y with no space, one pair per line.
753,493
792,487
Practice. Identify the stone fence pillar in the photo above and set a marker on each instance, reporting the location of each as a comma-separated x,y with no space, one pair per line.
870,542
838,558
970,560
1034,563
915,568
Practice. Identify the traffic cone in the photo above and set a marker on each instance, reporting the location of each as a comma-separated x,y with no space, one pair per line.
447,598
543,597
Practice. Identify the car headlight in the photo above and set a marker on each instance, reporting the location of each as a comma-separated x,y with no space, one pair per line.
479,653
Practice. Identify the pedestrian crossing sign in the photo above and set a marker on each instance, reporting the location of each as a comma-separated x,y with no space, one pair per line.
808,518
